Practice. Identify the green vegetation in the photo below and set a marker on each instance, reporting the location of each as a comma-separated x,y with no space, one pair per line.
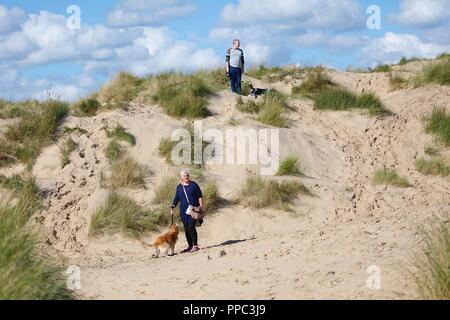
397,82
269,109
342,99
125,173
122,214
438,123
211,196
444,55
432,150
166,147
436,167
183,96
317,80
25,274
121,134
382,68
66,149
390,177
432,262
119,92
86,107
246,88
437,73
291,166
403,61
10,109
36,129
24,188
273,74
260,193
114,150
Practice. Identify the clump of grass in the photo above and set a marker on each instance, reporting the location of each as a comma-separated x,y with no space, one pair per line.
166,147
403,61
291,166
246,88
433,262
126,173
390,177
317,80
436,167
273,74
438,73
114,150
438,123
36,129
23,188
165,191
119,92
341,99
269,108
86,107
251,106
122,214
444,55
68,130
10,109
211,197
382,68
260,193
183,96
432,150
397,82
66,149
233,122
25,274
215,78
121,134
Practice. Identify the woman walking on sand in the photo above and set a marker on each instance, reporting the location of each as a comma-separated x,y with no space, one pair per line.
190,197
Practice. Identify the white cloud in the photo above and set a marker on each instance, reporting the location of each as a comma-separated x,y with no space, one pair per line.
423,13
391,47
129,13
289,15
10,20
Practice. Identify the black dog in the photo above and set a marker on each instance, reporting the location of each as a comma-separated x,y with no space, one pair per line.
257,91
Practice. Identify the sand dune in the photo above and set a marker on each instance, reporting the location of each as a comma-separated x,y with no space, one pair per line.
320,250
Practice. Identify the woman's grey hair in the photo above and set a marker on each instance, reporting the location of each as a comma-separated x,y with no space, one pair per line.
184,171
236,40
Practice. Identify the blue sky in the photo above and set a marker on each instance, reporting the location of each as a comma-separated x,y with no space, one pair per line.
39,54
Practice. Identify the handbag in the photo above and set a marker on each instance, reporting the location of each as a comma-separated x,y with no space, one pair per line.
195,213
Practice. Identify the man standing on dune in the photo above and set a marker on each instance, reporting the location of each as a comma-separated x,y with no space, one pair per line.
235,66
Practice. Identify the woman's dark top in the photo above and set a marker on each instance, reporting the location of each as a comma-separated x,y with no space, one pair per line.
194,193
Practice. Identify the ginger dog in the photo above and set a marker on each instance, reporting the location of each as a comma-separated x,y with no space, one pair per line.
167,241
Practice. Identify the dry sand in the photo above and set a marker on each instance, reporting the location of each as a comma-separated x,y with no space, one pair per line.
319,250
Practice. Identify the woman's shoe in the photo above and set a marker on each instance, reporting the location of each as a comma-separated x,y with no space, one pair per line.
188,249
194,249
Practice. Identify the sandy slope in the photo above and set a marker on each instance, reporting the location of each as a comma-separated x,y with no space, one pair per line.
320,250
